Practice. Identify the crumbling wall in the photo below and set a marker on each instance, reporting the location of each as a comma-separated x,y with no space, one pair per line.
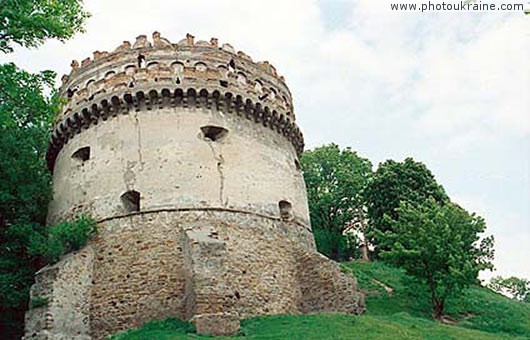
211,266
64,290
138,273
324,288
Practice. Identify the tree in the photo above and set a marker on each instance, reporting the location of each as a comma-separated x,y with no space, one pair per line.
395,182
25,115
439,245
515,287
335,180
30,22
26,111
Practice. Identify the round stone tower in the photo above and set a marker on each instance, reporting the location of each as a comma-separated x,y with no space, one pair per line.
187,156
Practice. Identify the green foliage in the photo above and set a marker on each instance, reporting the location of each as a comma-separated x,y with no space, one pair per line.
25,117
475,307
37,302
25,185
394,182
30,22
335,180
516,287
439,245
62,238
26,113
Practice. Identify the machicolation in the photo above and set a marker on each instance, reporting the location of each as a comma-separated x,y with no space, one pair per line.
187,156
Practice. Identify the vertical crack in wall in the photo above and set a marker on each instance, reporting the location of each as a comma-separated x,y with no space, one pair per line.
137,123
220,162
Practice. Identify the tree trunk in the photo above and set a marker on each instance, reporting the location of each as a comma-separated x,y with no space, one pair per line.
364,253
438,308
335,253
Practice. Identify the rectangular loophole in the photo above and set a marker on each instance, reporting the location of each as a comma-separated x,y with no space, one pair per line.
286,210
214,133
82,154
131,201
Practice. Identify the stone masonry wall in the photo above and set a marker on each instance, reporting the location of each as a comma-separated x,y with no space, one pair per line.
191,264
66,288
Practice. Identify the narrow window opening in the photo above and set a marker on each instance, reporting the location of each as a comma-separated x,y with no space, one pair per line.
297,164
82,154
223,83
232,66
131,201
178,80
141,60
214,133
131,84
286,210
69,93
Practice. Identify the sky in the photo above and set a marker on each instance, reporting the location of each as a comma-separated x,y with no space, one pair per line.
449,89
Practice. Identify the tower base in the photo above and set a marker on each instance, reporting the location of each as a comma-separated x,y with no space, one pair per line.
212,267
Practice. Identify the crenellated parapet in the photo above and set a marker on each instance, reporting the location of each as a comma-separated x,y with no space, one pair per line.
190,74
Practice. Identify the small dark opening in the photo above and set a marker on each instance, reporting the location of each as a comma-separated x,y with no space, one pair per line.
214,133
82,154
232,65
131,84
178,80
131,201
223,83
263,96
141,60
236,294
297,164
69,93
286,210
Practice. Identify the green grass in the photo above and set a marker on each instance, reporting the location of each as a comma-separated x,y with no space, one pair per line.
477,308
403,314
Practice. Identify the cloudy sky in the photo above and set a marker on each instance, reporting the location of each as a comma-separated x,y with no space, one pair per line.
447,88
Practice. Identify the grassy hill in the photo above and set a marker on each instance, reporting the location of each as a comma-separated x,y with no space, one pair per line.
396,309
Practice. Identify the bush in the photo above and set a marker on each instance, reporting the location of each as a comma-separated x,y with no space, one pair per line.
62,238
37,302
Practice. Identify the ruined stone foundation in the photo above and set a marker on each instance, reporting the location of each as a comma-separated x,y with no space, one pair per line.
187,156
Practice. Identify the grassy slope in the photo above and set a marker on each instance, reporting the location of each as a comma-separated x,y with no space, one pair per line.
481,314
478,308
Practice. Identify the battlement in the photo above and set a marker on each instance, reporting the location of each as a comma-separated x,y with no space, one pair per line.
189,74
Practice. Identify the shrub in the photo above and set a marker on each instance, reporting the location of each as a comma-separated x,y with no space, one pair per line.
38,301
62,238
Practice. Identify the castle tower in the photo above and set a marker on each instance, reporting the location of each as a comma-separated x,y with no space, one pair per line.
187,156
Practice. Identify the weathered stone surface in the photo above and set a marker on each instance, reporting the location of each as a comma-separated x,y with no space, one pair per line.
66,287
217,323
187,155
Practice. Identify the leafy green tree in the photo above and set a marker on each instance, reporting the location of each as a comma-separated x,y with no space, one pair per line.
440,245
26,111
517,288
395,182
335,180
30,22
25,115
